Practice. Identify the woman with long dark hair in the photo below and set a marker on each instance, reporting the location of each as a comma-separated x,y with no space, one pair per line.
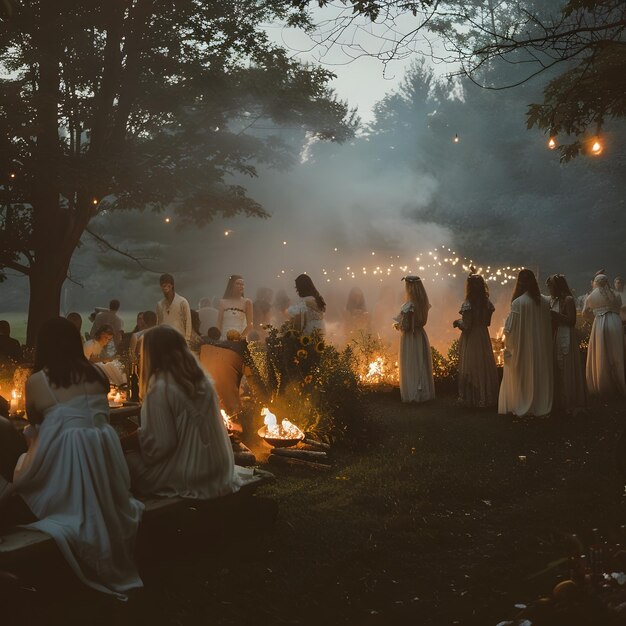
605,357
235,311
415,360
528,377
478,376
307,315
569,382
183,446
74,477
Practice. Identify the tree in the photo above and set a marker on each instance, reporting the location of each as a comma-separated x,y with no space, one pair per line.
579,44
140,104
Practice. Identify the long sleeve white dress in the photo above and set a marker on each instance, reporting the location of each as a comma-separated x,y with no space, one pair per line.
605,357
415,361
528,378
184,446
75,481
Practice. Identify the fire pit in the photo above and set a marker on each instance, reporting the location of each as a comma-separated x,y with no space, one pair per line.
283,435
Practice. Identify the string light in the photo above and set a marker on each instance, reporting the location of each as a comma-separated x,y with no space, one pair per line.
552,143
456,139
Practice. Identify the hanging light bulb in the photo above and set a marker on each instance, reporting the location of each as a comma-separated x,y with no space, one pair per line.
456,138
596,147
552,143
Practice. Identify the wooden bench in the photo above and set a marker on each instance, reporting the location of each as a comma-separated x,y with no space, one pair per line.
22,544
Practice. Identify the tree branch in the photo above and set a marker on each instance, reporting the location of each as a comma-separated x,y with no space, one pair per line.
110,246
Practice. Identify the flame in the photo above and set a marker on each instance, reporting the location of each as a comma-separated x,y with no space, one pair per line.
226,418
286,430
376,369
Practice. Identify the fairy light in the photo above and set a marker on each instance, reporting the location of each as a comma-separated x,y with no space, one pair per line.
552,143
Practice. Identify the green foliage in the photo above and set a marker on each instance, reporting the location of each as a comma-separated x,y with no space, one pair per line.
311,383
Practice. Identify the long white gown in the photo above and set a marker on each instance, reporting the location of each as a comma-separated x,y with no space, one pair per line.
605,357
528,378
415,363
75,480
184,446
311,317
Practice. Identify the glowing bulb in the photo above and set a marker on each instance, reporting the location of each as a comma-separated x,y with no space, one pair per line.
456,139
552,143
596,148
284,243
94,201
12,175
167,220
226,232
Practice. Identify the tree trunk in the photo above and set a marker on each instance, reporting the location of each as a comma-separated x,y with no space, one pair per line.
46,279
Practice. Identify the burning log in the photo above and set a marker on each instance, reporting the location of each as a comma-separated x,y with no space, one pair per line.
276,459
305,455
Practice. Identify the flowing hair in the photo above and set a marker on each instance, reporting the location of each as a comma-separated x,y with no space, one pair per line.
60,353
477,291
164,350
305,287
559,286
526,283
230,286
417,296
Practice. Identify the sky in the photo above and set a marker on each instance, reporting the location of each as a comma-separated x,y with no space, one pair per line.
361,79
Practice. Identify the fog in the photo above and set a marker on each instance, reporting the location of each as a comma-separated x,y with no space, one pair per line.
401,189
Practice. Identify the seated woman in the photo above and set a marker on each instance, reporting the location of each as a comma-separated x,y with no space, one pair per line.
73,476
94,348
183,446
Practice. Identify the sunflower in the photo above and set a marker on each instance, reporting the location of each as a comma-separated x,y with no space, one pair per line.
302,354
319,347
305,340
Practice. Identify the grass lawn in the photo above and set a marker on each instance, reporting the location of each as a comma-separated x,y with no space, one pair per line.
436,521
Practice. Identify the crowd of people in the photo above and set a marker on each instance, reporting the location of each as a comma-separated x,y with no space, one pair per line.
542,368
182,448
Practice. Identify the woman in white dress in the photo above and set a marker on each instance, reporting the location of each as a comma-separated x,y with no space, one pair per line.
416,361
183,447
478,376
605,357
528,377
74,477
307,315
235,311
569,382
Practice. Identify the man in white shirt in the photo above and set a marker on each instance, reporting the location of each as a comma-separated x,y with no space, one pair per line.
173,310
